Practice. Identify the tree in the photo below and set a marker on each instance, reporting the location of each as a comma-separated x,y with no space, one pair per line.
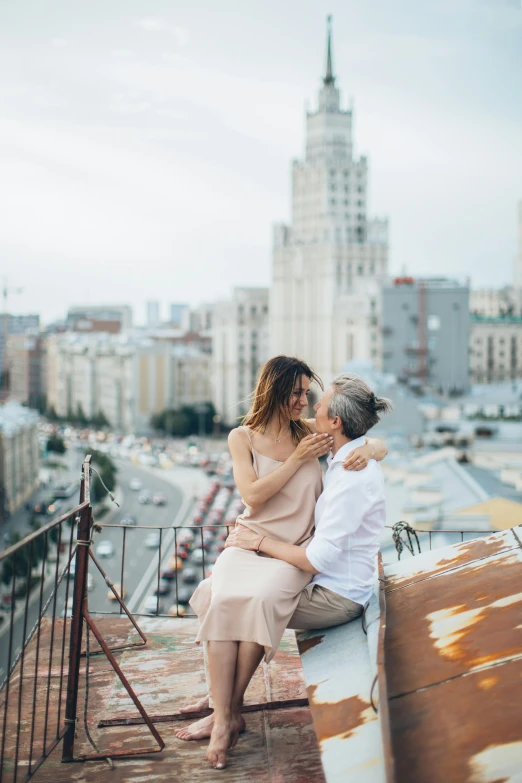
15,564
56,443
107,470
80,417
100,420
187,420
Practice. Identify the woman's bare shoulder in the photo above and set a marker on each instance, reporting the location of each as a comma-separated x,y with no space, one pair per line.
311,424
237,436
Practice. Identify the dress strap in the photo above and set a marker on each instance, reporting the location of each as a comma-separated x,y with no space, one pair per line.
247,433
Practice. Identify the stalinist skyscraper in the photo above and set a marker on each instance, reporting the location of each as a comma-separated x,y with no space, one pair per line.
328,265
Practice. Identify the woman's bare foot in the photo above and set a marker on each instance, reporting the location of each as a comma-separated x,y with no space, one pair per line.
223,737
201,704
203,728
200,729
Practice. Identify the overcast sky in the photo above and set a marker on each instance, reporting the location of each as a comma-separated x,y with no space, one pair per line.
145,145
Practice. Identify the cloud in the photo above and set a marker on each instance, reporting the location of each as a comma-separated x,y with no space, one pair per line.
154,24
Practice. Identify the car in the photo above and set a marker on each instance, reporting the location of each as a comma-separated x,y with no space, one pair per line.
164,587
128,521
182,552
159,500
67,611
145,497
152,541
190,575
90,582
198,555
135,484
184,594
175,563
177,610
169,573
117,587
105,549
185,536
152,604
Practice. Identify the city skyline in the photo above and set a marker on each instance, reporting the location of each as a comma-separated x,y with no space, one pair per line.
153,140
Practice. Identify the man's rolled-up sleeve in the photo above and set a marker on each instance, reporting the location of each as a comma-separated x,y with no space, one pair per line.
345,506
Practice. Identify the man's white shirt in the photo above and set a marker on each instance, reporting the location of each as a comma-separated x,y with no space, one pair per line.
349,517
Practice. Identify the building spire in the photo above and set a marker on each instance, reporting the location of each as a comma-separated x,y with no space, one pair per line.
329,78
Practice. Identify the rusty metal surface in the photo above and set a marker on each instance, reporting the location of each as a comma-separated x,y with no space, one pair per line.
278,746
454,662
339,674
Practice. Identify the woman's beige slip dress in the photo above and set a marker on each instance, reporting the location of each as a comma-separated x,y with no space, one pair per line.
251,597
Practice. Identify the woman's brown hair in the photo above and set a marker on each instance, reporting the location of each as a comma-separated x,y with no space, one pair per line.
273,394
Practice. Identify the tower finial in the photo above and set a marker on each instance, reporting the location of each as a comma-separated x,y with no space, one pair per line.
329,78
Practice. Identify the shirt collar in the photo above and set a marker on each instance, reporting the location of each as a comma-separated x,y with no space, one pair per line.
345,450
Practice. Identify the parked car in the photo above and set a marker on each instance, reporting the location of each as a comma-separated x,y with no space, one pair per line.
175,563
67,612
153,540
198,555
145,497
135,484
184,594
177,610
190,575
164,587
90,582
169,573
159,500
152,605
105,549
117,587
129,521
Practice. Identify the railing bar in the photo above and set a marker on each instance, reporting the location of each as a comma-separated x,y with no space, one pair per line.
202,554
159,566
45,529
122,590
176,569
58,545
64,629
22,660
9,659
37,656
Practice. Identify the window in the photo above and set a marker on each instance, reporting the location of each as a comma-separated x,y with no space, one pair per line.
433,323
332,202
359,269
332,172
347,215
346,202
332,187
346,189
346,173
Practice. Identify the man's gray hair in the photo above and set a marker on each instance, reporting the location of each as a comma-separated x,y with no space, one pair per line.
356,405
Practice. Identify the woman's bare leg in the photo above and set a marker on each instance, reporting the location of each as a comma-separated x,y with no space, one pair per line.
222,659
249,657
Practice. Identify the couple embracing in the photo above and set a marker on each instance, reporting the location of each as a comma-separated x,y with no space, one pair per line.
300,556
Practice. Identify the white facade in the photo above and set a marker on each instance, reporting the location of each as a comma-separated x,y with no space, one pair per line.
491,302
495,349
19,456
239,350
153,313
127,378
330,263
517,271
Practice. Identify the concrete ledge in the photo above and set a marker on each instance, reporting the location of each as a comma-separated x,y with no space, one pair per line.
339,667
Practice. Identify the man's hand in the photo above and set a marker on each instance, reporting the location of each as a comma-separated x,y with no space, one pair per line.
243,537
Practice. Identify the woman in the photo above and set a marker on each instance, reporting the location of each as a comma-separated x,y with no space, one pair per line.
245,606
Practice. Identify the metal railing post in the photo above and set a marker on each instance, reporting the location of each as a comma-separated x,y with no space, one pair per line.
75,639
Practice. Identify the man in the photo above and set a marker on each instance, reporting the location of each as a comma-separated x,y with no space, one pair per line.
349,518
